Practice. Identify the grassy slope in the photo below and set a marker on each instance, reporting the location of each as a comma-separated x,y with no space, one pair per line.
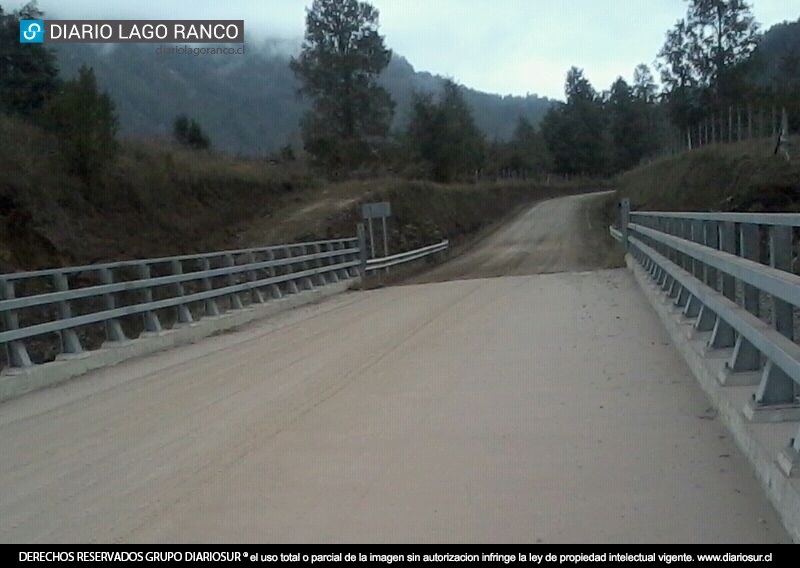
736,177
160,200
154,200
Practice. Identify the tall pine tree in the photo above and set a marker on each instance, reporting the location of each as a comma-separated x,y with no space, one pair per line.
339,64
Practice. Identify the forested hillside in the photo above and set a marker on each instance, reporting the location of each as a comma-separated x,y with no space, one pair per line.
249,103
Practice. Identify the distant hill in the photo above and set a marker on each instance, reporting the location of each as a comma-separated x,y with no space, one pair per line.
777,57
249,103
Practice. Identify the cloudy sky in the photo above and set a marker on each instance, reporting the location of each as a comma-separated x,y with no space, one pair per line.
499,46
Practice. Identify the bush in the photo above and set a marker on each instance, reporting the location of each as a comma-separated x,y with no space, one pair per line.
86,124
189,133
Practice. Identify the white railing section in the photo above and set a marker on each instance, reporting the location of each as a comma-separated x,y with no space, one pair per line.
63,301
732,274
408,256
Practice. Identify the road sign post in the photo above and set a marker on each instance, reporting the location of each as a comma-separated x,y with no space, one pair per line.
381,210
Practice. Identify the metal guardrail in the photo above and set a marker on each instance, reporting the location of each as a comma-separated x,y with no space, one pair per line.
731,273
61,300
387,261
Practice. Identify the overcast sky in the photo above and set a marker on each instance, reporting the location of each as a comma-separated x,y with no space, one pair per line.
499,46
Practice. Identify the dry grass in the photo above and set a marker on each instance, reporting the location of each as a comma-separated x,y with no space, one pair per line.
159,200
736,177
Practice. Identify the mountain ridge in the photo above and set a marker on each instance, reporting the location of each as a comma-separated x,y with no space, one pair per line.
249,103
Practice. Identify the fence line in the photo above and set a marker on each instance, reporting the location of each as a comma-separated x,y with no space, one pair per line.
737,123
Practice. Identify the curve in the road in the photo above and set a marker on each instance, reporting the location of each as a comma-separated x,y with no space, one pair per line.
556,235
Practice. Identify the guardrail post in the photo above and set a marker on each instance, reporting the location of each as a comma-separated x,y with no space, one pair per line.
707,318
306,282
69,339
255,294
274,289
151,323
330,261
16,351
211,305
342,273
184,315
776,386
723,335
292,284
624,219
114,333
236,301
696,236
745,356
362,247
319,263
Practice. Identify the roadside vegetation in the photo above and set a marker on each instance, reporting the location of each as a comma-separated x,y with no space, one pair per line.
743,177
72,191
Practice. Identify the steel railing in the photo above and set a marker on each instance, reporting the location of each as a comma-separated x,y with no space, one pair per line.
61,300
408,256
732,274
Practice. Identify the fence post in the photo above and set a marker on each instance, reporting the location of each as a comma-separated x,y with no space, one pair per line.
772,123
362,249
776,386
713,128
624,219
730,124
738,123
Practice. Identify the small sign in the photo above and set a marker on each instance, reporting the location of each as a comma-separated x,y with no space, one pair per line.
376,210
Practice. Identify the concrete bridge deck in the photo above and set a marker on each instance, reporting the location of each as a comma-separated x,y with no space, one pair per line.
534,408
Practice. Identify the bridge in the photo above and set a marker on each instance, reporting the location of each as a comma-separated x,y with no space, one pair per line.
482,401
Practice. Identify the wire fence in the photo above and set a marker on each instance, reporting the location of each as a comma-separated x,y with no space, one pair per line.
739,123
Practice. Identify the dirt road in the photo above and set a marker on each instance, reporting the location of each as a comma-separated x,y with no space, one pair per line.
546,408
557,235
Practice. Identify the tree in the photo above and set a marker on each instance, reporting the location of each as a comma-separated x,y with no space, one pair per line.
526,151
86,123
701,62
723,34
442,134
574,131
188,132
630,128
644,85
28,71
341,58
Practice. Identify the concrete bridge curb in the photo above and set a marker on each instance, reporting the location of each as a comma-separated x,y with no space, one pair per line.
15,382
761,443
